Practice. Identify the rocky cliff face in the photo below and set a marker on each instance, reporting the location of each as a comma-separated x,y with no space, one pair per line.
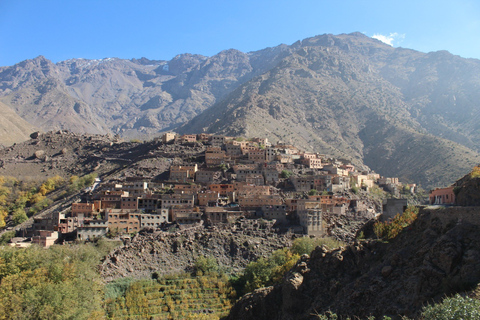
437,256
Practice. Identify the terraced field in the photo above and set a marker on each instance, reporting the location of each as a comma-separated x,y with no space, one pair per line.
180,297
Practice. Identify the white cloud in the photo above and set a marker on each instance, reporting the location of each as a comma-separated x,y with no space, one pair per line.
390,38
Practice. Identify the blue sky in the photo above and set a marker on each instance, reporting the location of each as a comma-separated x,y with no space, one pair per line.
60,30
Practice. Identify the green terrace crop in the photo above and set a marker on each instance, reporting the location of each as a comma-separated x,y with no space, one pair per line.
175,297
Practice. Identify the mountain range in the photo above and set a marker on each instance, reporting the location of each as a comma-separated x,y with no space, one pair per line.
401,112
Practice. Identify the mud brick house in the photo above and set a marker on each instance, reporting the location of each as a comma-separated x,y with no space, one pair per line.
214,156
122,220
183,173
442,196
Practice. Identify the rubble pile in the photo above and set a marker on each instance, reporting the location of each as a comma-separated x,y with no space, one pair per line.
233,246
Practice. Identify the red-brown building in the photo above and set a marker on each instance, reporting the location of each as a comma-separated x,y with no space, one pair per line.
442,196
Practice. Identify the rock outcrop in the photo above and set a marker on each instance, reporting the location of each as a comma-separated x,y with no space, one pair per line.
438,255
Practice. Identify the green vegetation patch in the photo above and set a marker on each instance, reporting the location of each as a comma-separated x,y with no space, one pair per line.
181,296
390,229
61,282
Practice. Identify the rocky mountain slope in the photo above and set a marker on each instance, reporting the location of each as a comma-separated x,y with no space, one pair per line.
402,112
395,110
13,128
66,153
128,97
437,256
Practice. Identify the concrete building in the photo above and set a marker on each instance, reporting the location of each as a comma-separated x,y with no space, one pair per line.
207,176
168,136
92,229
277,212
45,238
130,202
217,140
310,217
214,156
85,209
177,200
207,197
123,221
256,201
187,138
149,203
149,220
392,207
257,156
220,215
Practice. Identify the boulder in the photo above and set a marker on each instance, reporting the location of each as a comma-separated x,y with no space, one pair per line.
35,135
40,154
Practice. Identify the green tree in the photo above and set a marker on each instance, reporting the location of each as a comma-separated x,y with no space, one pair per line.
19,216
57,283
205,265
5,237
313,192
3,215
267,271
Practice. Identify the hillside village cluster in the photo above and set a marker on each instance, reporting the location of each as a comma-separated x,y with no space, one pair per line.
238,177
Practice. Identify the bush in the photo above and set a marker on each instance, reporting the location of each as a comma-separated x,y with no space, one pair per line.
19,216
265,272
285,174
306,245
390,229
475,172
117,287
4,238
76,183
454,308
205,265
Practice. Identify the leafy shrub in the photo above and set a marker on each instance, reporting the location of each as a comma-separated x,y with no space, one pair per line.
76,183
454,308
306,245
205,265
56,283
117,287
390,229
475,172
285,174
4,238
19,216
267,271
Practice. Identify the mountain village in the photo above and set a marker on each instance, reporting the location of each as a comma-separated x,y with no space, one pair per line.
238,177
